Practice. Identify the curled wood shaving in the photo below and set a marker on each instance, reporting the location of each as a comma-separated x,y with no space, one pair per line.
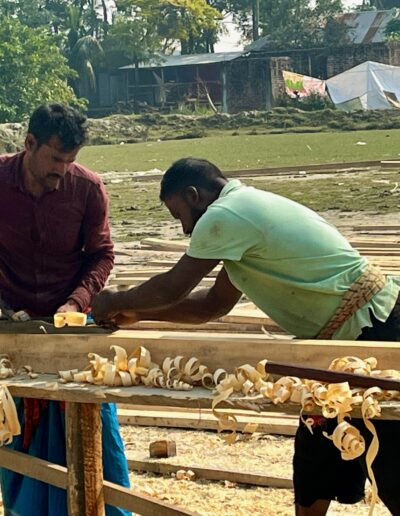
333,400
9,424
175,373
6,369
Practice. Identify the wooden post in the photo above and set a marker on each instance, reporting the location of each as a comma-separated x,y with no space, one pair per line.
84,459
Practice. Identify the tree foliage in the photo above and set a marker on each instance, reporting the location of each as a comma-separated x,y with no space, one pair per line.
192,24
33,70
292,23
392,30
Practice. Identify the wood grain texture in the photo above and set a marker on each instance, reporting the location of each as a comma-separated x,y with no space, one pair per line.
210,473
51,353
56,475
84,459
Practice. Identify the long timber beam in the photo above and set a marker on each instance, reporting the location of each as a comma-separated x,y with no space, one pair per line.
52,352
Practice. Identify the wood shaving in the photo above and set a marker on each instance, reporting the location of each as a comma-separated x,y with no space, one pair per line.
9,424
335,400
174,373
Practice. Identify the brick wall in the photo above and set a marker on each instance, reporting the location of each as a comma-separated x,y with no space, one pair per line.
248,83
341,59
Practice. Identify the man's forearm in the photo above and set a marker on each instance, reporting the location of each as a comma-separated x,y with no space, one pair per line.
94,277
158,293
197,308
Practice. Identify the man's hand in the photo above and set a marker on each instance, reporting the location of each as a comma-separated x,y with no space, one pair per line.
69,306
104,309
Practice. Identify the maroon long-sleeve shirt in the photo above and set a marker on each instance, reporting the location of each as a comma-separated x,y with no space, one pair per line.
55,247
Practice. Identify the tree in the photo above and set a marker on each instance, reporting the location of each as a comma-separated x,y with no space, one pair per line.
135,39
84,52
36,13
392,30
33,71
191,23
290,23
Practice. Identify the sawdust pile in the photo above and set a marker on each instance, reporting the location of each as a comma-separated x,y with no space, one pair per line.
267,454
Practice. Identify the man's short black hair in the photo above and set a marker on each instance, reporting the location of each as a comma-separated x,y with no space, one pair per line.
58,120
185,172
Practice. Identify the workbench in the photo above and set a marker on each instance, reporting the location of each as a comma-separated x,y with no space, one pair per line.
83,478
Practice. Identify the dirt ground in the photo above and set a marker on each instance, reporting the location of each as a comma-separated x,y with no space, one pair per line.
266,454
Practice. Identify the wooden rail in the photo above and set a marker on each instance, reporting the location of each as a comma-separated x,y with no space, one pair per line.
114,494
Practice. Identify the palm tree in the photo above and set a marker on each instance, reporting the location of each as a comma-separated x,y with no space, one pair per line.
84,52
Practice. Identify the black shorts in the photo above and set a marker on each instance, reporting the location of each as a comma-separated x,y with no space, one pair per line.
384,331
321,474
319,471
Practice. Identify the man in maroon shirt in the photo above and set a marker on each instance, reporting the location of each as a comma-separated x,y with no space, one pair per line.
55,247
55,255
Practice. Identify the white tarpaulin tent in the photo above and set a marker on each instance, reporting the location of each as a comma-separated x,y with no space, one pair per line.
369,85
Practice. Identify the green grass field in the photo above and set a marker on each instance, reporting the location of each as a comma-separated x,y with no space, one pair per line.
247,151
136,211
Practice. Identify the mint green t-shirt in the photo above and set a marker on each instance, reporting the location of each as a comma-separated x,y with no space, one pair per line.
288,260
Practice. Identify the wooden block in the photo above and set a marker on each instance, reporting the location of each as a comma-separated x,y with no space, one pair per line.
162,449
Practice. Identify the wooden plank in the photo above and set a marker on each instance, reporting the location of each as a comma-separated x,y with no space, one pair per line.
187,410
139,503
359,166
378,228
159,244
90,427
205,421
228,350
387,164
74,452
376,245
210,326
210,473
33,467
141,395
56,475
84,459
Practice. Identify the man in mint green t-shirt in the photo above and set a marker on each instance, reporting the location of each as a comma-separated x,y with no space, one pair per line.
292,264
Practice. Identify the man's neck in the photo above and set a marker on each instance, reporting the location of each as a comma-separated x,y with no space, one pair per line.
31,185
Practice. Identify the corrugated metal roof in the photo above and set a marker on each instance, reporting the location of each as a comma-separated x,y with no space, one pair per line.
367,26
363,27
186,60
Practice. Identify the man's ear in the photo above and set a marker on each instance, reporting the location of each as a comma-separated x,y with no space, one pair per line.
192,195
30,142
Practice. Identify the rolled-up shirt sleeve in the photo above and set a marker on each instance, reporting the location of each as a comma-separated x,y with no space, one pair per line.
98,247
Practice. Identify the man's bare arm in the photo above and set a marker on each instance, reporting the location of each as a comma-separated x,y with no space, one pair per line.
159,293
199,307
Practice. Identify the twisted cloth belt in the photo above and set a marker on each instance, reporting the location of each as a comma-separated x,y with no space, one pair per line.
360,292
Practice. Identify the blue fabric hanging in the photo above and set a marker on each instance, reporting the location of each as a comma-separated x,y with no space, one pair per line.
24,496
